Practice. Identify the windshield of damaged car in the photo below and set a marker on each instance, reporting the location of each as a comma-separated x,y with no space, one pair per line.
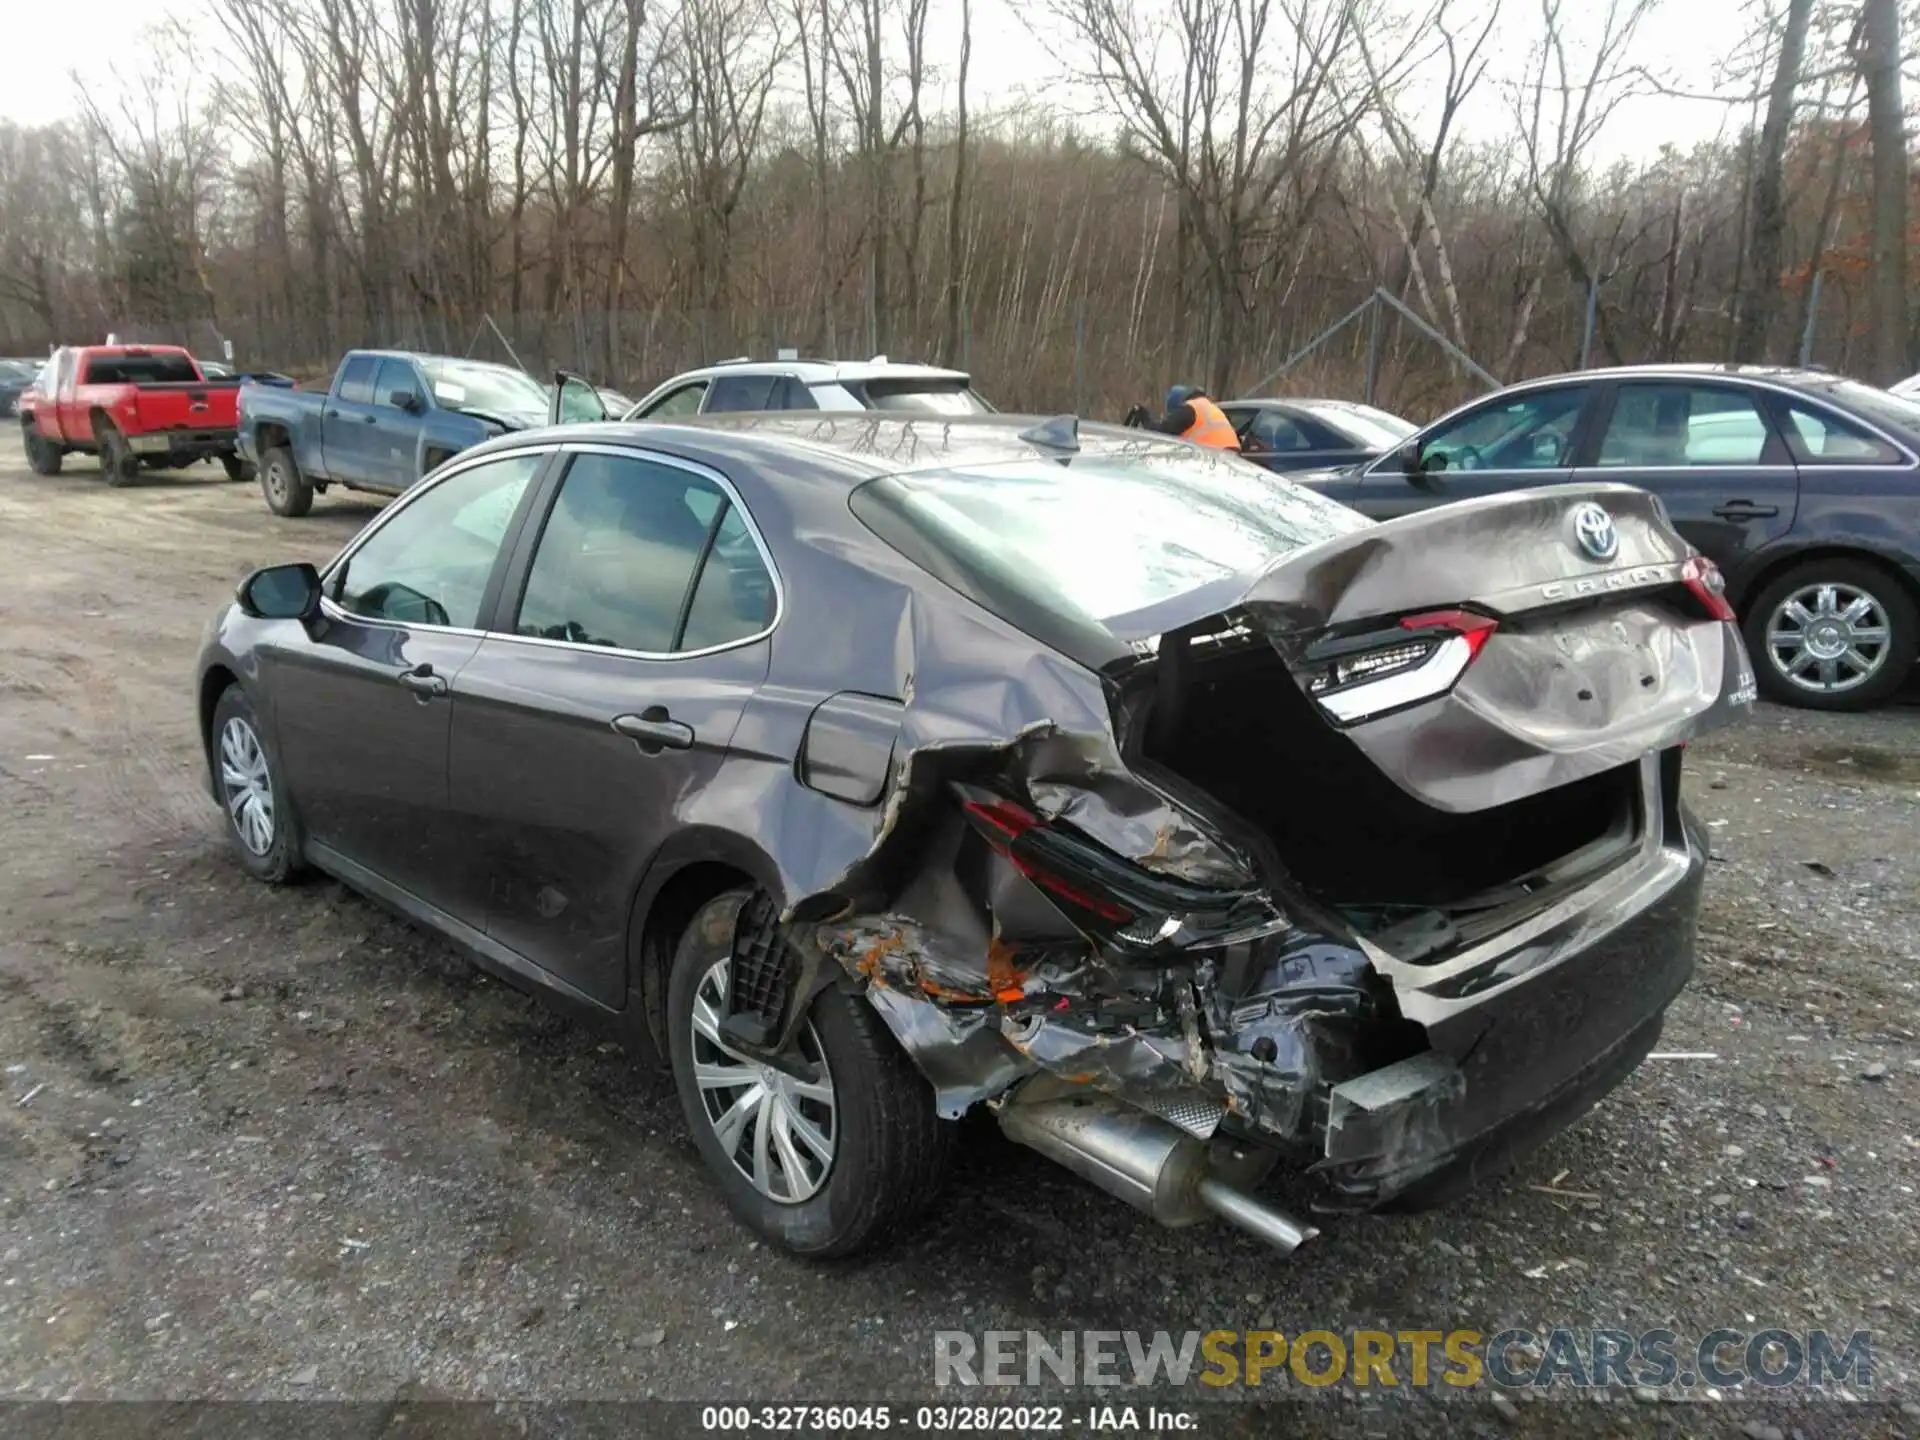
1103,536
493,389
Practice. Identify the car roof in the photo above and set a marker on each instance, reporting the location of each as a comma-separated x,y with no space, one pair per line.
820,372
855,445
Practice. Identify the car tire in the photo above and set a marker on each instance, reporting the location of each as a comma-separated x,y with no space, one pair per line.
117,458
238,470
43,456
1810,630
253,792
285,488
889,1149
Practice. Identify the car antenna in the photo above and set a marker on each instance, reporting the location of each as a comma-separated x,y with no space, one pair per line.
1062,432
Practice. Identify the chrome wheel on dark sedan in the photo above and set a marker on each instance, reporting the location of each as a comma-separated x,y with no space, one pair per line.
1829,638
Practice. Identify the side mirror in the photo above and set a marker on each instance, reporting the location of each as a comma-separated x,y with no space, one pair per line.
574,400
281,592
405,400
1409,457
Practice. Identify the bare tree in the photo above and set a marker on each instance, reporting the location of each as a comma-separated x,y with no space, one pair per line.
1761,302
1880,60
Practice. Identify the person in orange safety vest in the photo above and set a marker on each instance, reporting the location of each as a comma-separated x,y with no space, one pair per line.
1192,416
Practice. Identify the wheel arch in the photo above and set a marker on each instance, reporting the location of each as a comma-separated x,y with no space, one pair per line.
1771,567
214,682
700,866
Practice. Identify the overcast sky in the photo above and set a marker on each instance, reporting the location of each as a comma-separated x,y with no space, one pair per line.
1686,40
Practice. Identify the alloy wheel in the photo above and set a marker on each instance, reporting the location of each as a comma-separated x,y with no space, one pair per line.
780,1131
1829,638
248,784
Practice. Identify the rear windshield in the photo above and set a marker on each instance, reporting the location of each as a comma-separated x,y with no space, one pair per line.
925,397
1101,537
140,370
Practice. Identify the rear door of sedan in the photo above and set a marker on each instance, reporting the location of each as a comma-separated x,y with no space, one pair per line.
629,637
1712,452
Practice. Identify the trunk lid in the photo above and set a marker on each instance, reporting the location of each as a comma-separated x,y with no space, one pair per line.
1484,651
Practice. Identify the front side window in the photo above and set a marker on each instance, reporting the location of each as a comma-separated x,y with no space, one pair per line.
679,403
1820,437
618,558
429,564
1530,432
1277,431
1672,425
397,384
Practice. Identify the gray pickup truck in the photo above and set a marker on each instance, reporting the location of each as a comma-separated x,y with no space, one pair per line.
387,418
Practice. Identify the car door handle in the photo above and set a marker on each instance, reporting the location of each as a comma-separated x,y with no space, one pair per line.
654,730
1745,510
371,419
422,681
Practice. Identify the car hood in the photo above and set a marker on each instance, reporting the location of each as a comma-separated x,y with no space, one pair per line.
505,419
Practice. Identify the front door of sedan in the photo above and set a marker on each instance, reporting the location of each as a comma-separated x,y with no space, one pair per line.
1512,441
607,699
1712,454
363,699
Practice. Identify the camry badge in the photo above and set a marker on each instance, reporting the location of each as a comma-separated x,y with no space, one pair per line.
1593,531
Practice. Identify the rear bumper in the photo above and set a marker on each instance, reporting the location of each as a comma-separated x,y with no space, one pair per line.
1524,1043
185,445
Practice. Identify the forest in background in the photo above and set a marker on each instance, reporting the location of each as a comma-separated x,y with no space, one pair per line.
632,187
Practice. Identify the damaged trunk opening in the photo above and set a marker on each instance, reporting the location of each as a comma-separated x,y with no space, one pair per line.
1378,870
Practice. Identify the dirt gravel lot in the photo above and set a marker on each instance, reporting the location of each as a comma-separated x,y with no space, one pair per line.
275,1144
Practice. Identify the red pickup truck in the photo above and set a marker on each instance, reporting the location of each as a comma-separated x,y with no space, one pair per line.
130,405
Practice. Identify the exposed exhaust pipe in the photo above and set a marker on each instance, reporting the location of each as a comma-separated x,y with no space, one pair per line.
1152,1165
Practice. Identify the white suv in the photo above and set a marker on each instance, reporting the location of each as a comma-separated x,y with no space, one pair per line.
875,384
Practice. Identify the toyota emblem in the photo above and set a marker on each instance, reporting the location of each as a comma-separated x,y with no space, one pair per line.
1593,531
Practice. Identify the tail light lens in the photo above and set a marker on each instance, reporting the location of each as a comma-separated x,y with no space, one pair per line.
1707,585
1109,899
1360,677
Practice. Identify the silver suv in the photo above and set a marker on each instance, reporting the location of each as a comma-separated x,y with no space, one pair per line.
795,384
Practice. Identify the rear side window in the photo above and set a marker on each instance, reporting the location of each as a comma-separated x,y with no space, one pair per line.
637,555
1820,437
139,370
1656,426
356,380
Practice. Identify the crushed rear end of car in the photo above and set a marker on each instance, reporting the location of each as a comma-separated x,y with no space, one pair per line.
1373,864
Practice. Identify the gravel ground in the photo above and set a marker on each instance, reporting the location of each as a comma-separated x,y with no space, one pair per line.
262,1144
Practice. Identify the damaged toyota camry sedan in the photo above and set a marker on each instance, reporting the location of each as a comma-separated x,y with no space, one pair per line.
872,770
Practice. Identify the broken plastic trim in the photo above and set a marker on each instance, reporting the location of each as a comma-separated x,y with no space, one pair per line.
1365,676
1113,902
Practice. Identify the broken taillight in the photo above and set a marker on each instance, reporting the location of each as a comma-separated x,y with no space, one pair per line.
1707,585
1360,677
1111,900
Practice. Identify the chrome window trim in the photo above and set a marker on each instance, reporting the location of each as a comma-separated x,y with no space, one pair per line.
726,487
